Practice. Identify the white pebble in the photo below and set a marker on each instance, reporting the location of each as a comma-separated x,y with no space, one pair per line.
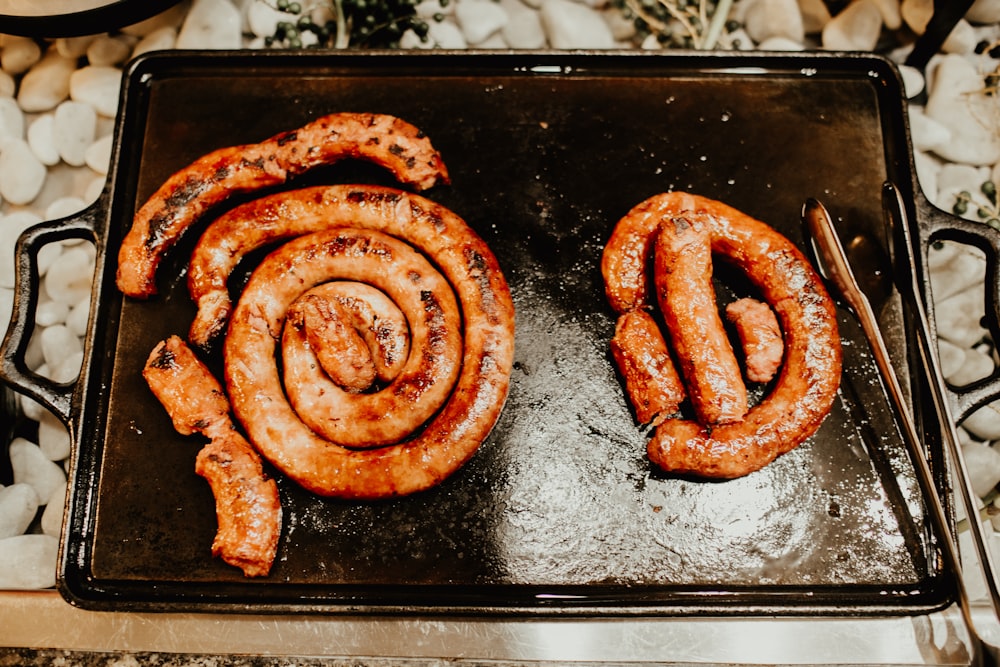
28,562
951,357
18,506
764,19
50,313
169,18
411,40
891,16
47,83
68,369
779,43
64,207
47,255
917,14
855,28
53,438
22,175
31,408
959,317
98,154
962,38
478,19
160,39
58,342
98,87
8,86
11,227
955,100
11,120
954,268
571,25
524,31
211,24
108,51
19,54
446,35
32,467
70,278
815,15
927,133
73,130
428,9
913,80
975,366
984,11
78,317
74,47
983,463
6,305
41,138
263,19
94,189
52,516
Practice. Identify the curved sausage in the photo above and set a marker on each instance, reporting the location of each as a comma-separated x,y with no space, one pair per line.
684,292
247,505
348,418
810,375
320,331
760,337
453,433
428,226
211,179
655,389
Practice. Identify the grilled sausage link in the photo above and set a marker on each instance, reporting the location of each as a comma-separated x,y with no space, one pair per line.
247,506
348,418
454,432
810,374
158,225
684,292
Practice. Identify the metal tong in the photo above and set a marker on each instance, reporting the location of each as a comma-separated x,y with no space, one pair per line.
833,265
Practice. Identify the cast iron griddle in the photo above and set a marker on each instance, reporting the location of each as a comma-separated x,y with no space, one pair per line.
559,511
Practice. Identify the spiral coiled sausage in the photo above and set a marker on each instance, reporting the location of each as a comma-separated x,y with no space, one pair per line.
809,377
368,251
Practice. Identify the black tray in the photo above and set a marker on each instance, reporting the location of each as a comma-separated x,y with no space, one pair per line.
559,512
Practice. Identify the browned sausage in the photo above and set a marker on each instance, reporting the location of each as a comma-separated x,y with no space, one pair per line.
211,179
370,419
247,505
428,226
810,375
453,433
322,331
655,389
760,337
684,292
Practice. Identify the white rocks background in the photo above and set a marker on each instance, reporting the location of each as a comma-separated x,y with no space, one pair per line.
58,99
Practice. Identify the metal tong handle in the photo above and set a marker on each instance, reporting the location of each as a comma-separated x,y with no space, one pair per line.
834,266
895,211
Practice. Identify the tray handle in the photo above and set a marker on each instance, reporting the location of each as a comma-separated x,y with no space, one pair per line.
56,396
942,226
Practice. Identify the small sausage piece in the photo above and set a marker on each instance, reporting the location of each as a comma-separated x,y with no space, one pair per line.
213,178
325,326
684,291
655,389
760,337
247,505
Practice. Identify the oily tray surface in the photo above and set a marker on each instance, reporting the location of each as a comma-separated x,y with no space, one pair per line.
559,509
